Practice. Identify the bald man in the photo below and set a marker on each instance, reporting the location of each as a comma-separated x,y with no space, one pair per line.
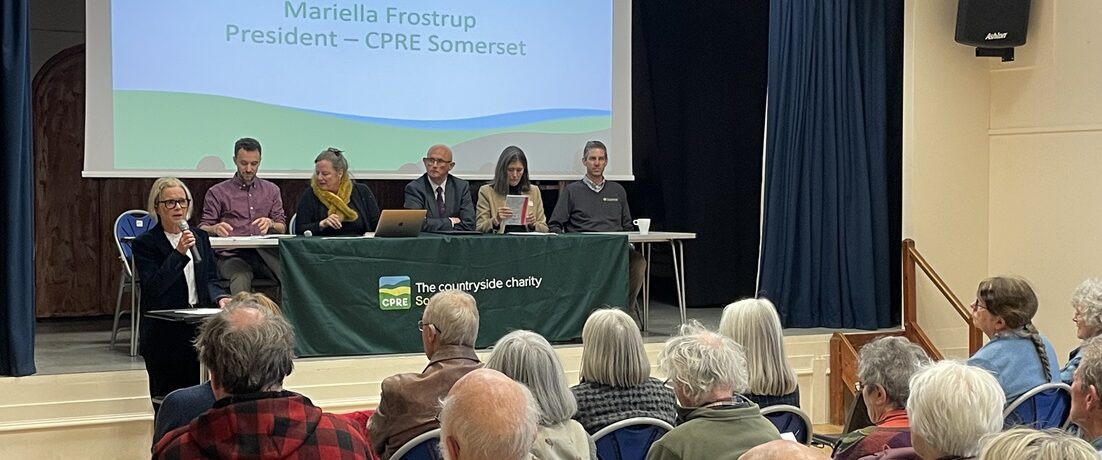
488,415
446,198
783,450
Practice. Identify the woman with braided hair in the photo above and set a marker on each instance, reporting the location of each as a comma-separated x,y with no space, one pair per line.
1018,356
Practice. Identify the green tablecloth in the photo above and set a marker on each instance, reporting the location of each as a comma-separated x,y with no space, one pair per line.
365,295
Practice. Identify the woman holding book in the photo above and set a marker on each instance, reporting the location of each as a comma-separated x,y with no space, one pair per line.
510,178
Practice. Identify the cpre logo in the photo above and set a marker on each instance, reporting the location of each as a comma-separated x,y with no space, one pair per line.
394,293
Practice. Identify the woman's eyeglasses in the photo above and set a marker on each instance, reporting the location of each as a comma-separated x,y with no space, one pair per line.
171,204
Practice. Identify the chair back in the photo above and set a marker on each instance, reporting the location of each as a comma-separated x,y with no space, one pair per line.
629,439
790,419
426,446
129,225
1045,406
291,224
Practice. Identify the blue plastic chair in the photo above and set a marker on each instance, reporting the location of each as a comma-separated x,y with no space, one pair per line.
790,419
1045,406
629,439
426,446
128,226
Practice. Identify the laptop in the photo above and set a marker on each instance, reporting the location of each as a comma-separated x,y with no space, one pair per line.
400,223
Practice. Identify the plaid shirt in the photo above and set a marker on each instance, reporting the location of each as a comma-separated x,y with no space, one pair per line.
280,424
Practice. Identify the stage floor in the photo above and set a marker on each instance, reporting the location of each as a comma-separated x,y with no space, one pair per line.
67,346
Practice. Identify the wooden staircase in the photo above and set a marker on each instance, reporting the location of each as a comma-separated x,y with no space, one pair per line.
844,347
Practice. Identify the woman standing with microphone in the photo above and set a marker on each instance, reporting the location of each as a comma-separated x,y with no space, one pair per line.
175,267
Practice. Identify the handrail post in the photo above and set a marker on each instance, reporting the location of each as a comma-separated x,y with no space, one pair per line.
910,299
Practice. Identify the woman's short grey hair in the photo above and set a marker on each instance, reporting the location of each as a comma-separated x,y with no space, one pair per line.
891,362
155,194
953,405
528,358
612,350
1087,298
754,324
336,158
1027,443
1090,367
700,362
247,349
454,314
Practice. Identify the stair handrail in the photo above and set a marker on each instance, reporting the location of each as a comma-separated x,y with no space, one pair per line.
912,258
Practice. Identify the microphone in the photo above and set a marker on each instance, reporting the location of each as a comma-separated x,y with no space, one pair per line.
194,251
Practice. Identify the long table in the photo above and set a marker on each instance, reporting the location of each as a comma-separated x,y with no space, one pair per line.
354,296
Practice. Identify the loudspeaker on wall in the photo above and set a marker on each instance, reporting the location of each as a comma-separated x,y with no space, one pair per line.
992,23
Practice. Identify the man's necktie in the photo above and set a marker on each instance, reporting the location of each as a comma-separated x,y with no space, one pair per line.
440,208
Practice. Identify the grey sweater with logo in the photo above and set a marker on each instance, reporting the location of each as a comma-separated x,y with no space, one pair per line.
580,209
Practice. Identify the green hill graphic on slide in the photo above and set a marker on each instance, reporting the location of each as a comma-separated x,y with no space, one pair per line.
394,293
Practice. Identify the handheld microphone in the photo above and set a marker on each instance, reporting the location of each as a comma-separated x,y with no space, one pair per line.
194,250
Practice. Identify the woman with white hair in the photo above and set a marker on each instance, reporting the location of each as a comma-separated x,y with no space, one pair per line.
528,358
1029,444
754,324
615,375
708,371
884,370
952,406
1087,303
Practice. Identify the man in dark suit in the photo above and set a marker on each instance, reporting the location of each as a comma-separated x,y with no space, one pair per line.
446,197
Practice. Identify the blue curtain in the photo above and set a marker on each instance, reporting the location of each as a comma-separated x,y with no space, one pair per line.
17,242
827,249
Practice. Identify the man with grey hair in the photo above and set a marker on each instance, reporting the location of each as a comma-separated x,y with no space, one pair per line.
1086,393
488,415
249,352
884,367
784,449
708,371
952,405
408,402
446,198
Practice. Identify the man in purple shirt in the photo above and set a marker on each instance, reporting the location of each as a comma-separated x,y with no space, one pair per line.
241,206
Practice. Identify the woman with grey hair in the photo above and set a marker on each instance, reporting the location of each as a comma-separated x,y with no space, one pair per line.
615,375
1087,303
708,371
754,324
528,358
952,405
884,370
1029,444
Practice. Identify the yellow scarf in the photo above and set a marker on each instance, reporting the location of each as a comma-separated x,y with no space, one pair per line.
337,202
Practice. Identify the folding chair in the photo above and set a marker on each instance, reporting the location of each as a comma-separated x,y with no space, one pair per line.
1045,406
128,226
790,419
426,446
629,439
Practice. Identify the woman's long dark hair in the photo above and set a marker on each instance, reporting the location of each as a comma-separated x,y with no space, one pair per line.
501,172
1013,300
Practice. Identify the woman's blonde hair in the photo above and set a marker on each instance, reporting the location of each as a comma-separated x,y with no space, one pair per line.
754,324
155,193
1029,444
612,350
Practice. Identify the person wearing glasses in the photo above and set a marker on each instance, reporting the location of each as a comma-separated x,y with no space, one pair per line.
409,402
172,277
334,205
446,197
1086,301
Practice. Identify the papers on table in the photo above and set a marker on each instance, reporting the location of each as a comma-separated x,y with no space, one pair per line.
532,233
199,311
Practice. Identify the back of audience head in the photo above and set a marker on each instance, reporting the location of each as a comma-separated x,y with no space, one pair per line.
612,350
256,300
951,406
1029,444
247,350
885,367
754,324
529,359
487,415
781,449
453,318
1086,390
703,366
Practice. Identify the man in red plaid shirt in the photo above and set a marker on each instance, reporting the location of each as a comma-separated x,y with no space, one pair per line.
249,352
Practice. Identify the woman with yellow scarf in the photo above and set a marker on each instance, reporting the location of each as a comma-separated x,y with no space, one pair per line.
334,205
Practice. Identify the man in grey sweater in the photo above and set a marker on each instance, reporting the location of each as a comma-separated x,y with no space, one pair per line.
594,204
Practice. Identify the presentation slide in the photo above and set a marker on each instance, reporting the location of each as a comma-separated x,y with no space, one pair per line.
172,85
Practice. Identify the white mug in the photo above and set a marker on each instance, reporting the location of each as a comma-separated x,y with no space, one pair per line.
643,224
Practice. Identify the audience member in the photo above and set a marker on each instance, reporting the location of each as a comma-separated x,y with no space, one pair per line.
334,204
408,402
249,352
1029,444
185,404
1018,356
245,205
754,324
1086,393
446,198
486,415
781,449
1087,303
952,406
176,270
510,178
615,375
707,371
528,358
596,205
885,367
